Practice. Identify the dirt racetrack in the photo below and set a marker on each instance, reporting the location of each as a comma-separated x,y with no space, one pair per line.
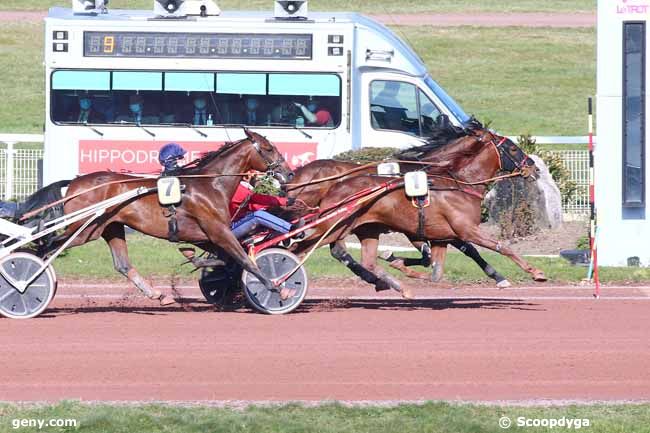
467,344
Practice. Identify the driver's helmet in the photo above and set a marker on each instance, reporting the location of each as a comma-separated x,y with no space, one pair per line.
170,153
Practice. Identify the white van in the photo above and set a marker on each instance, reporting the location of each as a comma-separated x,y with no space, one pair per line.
121,84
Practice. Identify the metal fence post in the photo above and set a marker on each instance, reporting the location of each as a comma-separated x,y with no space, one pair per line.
9,176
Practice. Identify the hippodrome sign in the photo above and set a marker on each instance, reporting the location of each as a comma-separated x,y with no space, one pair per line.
142,156
367,87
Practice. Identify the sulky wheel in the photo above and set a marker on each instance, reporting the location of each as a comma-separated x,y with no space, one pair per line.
274,263
15,270
219,282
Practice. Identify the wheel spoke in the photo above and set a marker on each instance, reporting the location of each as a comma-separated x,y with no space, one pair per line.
267,296
25,308
6,295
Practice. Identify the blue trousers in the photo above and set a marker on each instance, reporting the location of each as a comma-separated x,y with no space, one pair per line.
253,220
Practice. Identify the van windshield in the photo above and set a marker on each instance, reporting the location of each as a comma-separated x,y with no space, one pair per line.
447,100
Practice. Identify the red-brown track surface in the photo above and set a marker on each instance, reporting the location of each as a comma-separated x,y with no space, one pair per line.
467,344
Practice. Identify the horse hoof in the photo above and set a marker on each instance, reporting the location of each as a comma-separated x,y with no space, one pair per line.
167,300
286,293
188,252
407,293
503,284
418,275
388,280
436,272
539,276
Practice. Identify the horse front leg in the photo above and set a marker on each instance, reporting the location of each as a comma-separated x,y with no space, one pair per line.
475,236
115,237
471,252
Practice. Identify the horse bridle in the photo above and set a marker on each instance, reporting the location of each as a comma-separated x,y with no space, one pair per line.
271,165
503,152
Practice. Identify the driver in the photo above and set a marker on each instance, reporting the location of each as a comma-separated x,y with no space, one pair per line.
248,210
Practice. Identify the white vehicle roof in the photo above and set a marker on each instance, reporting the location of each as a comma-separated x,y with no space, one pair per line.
370,34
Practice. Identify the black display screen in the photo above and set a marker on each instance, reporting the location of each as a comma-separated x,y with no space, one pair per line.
198,45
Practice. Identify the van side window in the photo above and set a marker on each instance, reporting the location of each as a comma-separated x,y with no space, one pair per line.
393,106
310,100
399,106
428,114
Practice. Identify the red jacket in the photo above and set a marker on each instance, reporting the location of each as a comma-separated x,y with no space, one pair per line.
255,202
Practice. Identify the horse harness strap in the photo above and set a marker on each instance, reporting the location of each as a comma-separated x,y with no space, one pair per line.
243,205
421,203
172,224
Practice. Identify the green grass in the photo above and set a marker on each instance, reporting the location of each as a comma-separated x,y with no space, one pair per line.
22,105
523,80
157,258
330,418
368,6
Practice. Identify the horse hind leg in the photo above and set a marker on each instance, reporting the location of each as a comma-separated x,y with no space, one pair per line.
340,253
380,280
403,264
115,238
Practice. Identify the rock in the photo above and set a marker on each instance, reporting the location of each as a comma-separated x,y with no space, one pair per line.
540,201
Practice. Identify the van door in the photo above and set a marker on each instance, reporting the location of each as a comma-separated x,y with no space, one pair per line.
396,110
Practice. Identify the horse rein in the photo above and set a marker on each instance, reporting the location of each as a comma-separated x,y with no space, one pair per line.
271,165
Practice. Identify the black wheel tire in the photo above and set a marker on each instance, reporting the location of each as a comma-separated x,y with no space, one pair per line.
219,284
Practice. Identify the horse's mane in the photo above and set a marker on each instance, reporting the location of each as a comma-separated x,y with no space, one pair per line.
40,198
198,164
435,143
438,138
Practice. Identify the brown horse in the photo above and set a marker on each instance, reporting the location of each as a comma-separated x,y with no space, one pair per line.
453,212
439,149
202,216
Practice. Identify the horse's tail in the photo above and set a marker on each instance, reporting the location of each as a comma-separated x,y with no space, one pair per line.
43,197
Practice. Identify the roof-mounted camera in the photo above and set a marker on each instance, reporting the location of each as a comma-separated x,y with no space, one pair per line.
89,6
290,9
183,8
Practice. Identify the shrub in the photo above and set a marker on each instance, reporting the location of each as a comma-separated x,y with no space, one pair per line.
518,222
367,154
266,185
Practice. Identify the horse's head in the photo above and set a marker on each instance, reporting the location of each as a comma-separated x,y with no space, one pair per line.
511,157
266,157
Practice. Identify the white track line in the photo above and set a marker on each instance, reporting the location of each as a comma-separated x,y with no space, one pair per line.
513,297
126,286
244,404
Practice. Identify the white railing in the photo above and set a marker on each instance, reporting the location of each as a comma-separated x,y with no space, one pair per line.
19,169
577,163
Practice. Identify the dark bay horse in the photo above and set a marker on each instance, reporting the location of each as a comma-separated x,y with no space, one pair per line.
435,150
454,210
202,216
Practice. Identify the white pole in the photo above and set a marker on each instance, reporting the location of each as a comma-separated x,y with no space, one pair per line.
9,178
